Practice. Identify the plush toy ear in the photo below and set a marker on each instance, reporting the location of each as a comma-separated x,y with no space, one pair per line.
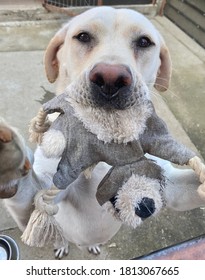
50,58
164,71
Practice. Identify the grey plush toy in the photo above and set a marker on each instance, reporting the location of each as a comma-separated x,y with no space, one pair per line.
134,185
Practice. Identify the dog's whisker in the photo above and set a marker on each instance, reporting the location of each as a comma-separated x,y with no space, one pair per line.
169,91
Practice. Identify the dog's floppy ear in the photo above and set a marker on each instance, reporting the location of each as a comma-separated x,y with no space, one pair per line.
165,70
50,58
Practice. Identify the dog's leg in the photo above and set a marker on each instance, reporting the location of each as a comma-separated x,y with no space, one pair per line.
18,183
181,193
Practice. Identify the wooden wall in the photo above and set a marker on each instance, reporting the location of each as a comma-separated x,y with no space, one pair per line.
189,15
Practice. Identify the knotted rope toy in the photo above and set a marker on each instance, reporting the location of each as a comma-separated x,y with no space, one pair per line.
196,164
38,126
42,226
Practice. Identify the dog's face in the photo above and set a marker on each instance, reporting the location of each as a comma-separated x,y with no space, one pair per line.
114,55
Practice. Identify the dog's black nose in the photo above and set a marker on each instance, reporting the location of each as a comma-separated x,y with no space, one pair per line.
110,78
145,208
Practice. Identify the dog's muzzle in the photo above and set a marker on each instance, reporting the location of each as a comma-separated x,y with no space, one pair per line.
111,86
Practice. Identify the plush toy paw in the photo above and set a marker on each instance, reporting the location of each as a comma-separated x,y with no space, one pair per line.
13,164
138,199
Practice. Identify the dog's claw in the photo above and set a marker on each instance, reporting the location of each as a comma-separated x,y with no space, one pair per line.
5,134
26,167
61,252
94,249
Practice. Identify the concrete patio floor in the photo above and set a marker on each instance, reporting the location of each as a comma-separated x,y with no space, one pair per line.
23,85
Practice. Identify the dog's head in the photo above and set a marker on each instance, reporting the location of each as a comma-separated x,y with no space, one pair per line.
114,54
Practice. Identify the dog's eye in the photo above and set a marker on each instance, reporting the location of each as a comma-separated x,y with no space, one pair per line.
83,37
144,42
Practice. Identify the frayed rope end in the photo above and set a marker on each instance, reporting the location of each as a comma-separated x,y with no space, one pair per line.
42,226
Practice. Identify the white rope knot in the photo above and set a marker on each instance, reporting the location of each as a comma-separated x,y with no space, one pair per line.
201,190
42,226
38,126
44,201
198,166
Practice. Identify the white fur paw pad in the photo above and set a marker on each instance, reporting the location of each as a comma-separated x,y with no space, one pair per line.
61,252
94,250
53,143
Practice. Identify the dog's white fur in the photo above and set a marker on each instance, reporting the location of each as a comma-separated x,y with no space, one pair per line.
119,126
83,221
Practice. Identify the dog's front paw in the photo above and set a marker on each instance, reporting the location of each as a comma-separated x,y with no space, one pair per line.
5,134
138,199
13,163
94,249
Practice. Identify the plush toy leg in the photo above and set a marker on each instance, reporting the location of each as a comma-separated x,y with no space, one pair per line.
53,143
137,199
117,175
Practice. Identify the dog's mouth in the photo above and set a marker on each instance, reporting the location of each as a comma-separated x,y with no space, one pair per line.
110,98
115,93
111,86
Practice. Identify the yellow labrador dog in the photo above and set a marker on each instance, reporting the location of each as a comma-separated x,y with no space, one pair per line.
115,40
110,50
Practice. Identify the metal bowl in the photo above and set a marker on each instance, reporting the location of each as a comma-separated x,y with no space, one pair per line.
8,248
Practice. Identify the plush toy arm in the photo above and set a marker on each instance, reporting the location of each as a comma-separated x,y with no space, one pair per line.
167,148
157,141
56,104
